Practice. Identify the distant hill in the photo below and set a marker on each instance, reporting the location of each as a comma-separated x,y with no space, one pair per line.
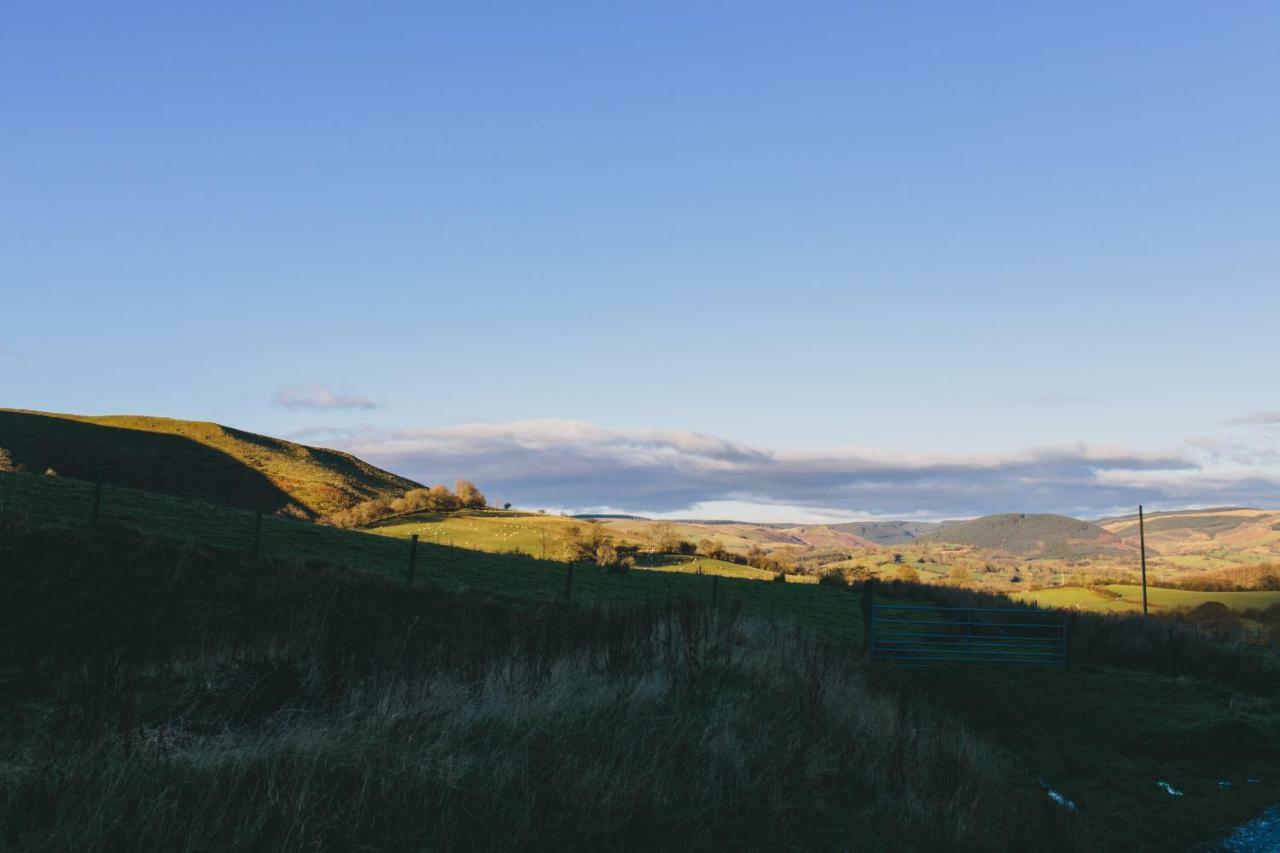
1194,531
195,459
1032,535
888,532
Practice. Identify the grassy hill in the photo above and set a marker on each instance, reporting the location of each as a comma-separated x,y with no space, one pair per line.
1032,534
1240,532
384,708
195,459
888,532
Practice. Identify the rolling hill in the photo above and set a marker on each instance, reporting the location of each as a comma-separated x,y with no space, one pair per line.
1025,534
195,459
888,532
1188,532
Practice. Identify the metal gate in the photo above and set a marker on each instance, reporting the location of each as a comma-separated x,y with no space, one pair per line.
920,635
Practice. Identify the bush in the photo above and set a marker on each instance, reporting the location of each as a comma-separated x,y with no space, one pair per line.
833,577
468,495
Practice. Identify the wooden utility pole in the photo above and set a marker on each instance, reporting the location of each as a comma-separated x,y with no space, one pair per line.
1142,544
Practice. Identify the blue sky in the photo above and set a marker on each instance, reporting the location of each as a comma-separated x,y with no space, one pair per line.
919,235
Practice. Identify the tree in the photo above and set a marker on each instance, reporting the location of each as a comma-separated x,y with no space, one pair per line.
606,554
507,505
441,499
6,461
468,495
906,573
665,538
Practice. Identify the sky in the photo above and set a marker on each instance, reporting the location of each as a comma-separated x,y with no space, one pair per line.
774,261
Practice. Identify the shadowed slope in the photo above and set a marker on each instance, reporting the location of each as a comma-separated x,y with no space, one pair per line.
195,459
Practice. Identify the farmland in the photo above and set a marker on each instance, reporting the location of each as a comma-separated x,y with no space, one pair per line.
1127,598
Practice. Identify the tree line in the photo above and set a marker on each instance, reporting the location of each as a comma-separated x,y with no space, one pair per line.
464,495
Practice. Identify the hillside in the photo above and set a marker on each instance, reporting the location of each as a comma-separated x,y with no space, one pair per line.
1195,531
888,532
1032,535
269,706
195,459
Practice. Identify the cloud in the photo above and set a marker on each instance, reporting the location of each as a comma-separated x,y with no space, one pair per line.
1061,399
297,397
1256,419
580,466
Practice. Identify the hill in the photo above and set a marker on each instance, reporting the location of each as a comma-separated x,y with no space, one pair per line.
1194,531
888,532
281,671
1032,535
195,459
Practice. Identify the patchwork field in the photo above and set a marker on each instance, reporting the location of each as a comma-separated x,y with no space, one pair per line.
1128,598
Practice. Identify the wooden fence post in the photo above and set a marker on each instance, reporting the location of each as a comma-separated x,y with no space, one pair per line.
568,582
413,559
868,613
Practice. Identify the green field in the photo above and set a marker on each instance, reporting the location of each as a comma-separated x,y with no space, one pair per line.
537,535
1158,598
1076,598
516,576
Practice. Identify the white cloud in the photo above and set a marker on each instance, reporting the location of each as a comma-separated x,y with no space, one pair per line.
319,397
578,466
1265,418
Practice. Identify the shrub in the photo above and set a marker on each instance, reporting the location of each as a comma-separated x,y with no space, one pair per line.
468,495
833,577
906,573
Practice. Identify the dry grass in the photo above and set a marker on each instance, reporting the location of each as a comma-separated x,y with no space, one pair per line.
182,698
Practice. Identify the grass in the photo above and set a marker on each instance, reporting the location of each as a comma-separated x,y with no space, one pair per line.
513,576
1076,598
1142,702
176,697
195,459
1158,598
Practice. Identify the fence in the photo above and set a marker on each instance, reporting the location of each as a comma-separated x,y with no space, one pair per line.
920,635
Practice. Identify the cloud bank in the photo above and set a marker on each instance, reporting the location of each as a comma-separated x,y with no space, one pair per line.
1256,419
319,397
575,465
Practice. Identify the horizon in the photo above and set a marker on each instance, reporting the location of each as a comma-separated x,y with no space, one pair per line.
828,263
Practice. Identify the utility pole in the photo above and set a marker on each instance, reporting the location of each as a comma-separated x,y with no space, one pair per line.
1142,543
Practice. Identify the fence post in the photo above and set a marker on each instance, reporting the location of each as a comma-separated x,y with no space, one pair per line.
97,500
257,534
568,582
413,559
715,589
868,613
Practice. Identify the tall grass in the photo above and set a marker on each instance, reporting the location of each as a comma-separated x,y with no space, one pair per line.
177,697
1165,645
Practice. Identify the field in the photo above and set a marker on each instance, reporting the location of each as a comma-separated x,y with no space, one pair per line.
544,537
1119,707
1128,598
451,567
